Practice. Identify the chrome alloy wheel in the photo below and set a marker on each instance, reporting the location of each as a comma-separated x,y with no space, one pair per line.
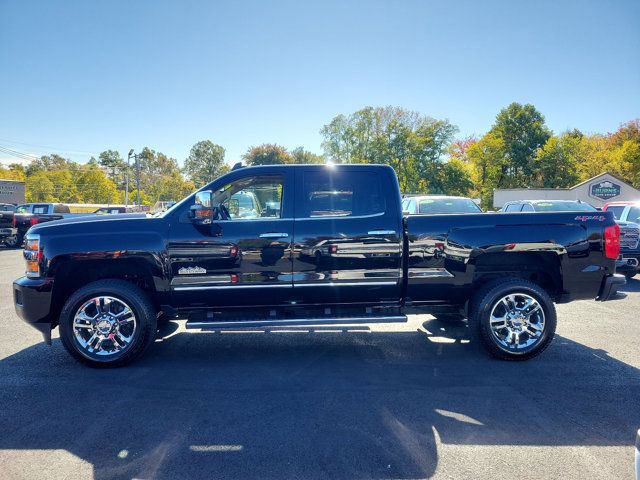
104,326
517,321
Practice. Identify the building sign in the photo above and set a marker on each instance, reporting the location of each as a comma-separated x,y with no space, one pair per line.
604,190
11,191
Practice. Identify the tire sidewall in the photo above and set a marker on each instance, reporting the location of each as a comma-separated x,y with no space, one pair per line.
540,296
132,299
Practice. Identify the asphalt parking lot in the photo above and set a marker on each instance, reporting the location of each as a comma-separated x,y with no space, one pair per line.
411,401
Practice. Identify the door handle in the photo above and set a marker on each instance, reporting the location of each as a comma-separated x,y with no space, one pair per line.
381,232
273,235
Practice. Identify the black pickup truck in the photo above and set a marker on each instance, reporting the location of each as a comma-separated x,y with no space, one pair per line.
242,252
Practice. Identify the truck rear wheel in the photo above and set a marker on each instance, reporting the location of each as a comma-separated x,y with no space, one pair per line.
514,319
108,323
14,241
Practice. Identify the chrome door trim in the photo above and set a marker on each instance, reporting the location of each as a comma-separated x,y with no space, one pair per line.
344,284
274,235
237,285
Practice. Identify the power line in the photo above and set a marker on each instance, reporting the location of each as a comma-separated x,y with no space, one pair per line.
47,147
17,154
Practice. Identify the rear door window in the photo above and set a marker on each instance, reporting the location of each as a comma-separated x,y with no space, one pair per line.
341,194
40,209
513,207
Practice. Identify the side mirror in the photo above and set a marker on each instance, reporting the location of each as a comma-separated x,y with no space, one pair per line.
201,212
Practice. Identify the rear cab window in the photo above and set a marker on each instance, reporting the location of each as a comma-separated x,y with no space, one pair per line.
341,193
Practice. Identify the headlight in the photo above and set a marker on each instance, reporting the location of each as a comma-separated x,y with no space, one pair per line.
32,255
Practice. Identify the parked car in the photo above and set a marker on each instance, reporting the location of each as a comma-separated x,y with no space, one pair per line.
617,207
160,207
434,204
628,215
8,233
106,281
110,210
531,206
30,214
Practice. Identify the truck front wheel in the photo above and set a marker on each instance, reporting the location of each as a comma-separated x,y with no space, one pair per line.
514,319
107,323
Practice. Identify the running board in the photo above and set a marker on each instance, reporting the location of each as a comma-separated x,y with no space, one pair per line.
292,322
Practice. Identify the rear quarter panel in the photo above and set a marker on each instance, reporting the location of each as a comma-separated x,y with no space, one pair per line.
449,254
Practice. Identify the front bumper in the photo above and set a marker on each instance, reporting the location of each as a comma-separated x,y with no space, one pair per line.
32,301
609,287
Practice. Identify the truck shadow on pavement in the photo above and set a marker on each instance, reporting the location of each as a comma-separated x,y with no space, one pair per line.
311,405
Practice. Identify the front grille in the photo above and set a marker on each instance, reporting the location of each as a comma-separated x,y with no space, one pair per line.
629,237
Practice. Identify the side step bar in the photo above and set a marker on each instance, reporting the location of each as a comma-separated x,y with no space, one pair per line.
292,322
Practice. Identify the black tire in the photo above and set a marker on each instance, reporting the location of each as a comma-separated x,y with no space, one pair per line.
133,296
487,297
15,243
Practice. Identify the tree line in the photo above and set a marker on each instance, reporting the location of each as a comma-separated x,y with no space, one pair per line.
519,150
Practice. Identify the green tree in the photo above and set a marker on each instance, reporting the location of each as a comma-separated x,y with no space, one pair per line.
413,144
300,155
488,161
39,188
13,171
556,162
205,163
267,154
94,186
523,131
114,165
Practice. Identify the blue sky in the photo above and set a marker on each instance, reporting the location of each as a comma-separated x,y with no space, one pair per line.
81,77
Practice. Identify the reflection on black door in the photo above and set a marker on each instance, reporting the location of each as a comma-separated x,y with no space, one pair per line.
347,245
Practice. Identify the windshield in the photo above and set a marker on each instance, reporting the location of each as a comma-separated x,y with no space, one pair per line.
616,210
564,207
448,205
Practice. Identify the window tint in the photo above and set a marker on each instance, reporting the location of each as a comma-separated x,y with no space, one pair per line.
341,194
513,207
634,215
616,210
527,207
447,205
253,198
564,206
40,209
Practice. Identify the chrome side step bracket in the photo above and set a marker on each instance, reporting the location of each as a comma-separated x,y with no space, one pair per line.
291,322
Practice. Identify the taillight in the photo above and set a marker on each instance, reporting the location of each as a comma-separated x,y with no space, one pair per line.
32,255
13,222
612,242
333,249
33,221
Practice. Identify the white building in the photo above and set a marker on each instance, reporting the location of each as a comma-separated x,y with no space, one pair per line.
11,191
597,191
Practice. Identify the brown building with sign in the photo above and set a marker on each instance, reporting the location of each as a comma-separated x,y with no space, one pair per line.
11,191
597,191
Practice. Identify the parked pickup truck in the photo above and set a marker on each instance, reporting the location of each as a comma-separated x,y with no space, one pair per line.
628,215
107,281
8,233
30,214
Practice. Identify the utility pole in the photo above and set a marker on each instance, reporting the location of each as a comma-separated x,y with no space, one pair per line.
138,178
126,176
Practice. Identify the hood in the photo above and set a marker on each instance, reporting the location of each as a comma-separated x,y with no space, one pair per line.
627,224
101,222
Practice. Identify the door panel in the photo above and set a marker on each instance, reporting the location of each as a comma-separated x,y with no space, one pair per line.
218,270
347,246
248,255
